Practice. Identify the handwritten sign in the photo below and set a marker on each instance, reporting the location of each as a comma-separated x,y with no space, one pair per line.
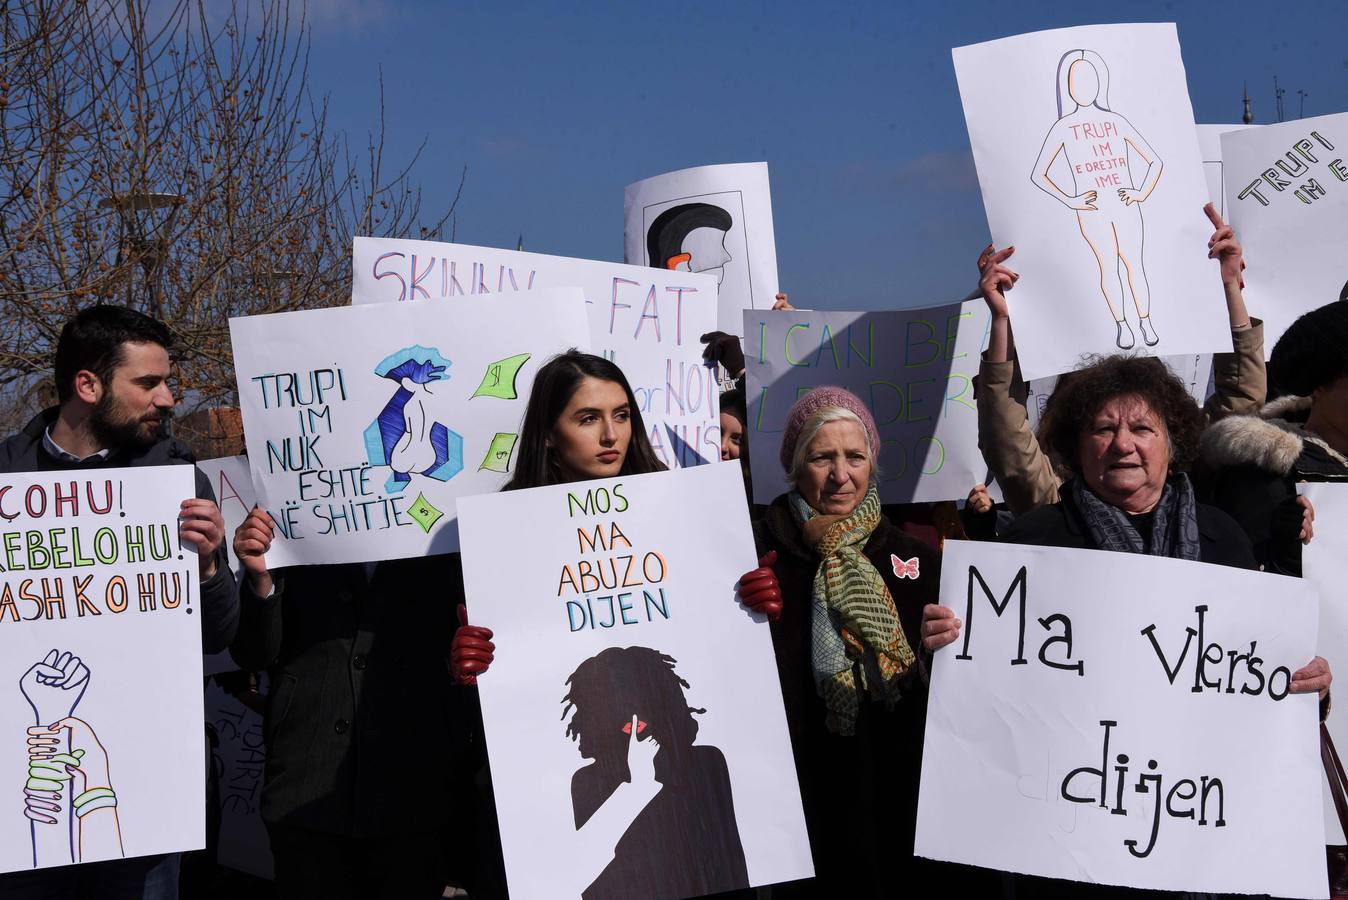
1089,165
647,321
240,760
712,219
620,617
1214,169
365,423
913,368
1287,198
1139,732
101,646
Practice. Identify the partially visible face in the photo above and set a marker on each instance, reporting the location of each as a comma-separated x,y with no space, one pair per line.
1329,404
1125,454
1083,82
592,434
732,437
136,402
706,246
837,469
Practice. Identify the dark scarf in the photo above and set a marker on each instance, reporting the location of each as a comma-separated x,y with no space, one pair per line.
1174,530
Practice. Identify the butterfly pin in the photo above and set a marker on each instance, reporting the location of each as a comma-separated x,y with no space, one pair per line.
904,568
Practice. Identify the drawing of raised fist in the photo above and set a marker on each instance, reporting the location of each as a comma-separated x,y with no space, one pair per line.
53,686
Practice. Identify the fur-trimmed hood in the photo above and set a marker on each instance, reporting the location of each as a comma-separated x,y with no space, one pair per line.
1271,441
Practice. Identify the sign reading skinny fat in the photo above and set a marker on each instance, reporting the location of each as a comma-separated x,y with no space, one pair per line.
647,321
1089,166
913,368
100,665
633,713
364,423
1124,719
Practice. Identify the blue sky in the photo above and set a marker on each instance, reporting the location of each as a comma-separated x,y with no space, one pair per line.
556,107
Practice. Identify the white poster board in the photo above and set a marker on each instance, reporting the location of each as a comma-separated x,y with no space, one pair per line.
914,370
728,810
241,758
1287,197
648,322
364,423
233,486
1214,170
98,634
1195,370
712,219
1136,733
1322,565
1088,161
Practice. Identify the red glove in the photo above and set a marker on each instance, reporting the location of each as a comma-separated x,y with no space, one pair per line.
470,652
759,590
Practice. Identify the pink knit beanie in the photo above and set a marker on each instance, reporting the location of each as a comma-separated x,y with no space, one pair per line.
822,398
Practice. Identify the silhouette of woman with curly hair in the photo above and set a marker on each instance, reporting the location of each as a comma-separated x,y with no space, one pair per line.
684,842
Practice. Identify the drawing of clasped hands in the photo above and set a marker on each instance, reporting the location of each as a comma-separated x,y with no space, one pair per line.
52,770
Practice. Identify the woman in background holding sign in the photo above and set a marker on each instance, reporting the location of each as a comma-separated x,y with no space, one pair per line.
652,811
845,590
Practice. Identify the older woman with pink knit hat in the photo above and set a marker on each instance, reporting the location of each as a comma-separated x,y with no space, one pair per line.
845,589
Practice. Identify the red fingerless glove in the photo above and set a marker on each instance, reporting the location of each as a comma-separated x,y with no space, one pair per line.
470,652
759,589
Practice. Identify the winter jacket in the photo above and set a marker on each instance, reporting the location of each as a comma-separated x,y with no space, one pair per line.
365,736
859,792
24,452
1254,464
1220,539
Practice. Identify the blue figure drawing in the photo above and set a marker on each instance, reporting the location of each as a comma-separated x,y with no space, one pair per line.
404,435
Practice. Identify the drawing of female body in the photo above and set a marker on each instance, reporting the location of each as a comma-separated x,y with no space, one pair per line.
1095,144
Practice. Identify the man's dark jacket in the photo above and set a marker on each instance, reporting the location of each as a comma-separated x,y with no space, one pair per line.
24,452
365,736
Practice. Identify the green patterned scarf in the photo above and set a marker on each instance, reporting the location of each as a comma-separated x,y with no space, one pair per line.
853,619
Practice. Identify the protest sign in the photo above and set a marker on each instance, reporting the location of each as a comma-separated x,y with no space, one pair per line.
621,648
364,423
913,368
102,659
1322,566
233,486
1084,140
646,321
1214,170
1124,719
1287,198
713,219
1195,370
239,759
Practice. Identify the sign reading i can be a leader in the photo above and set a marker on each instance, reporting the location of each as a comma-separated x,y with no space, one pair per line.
633,712
364,423
1140,732
913,368
100,668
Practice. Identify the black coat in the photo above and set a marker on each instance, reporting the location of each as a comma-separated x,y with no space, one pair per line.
23,452
859,792
1220,539
365,735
